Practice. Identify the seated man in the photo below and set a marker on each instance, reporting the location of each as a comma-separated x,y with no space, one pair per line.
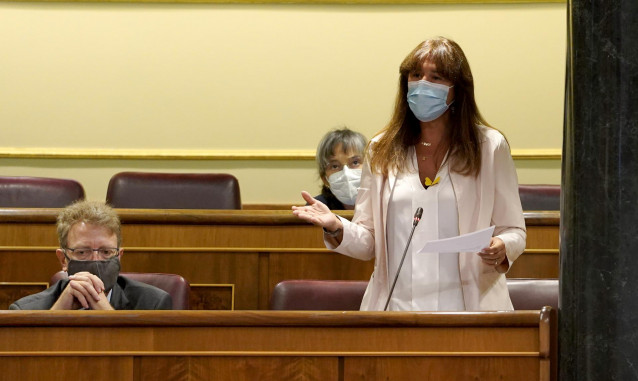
90,237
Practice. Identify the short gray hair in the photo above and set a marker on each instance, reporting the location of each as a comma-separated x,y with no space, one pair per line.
92,212
351,141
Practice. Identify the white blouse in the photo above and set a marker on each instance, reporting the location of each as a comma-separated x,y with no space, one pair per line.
428,281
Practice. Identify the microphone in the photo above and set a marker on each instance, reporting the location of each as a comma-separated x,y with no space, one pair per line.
415,222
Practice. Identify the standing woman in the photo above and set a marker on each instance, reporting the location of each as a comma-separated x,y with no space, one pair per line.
437,152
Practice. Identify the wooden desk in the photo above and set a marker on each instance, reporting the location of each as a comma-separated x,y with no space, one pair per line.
216,250
276,345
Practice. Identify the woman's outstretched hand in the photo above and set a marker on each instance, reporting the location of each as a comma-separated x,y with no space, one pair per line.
317,213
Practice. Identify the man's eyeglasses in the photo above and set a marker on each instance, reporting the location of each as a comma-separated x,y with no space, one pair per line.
86,254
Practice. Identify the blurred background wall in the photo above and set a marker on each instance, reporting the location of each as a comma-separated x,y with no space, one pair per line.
91,89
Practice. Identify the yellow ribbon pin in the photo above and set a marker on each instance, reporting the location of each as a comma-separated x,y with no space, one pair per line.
429,183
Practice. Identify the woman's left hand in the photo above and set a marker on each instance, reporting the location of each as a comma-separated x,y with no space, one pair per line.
495,254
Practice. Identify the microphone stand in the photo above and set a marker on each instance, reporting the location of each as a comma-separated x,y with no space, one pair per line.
415,222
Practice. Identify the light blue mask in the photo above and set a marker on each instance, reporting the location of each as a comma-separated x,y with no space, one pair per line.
427,100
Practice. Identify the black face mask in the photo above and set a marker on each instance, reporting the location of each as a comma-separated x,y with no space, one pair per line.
107,270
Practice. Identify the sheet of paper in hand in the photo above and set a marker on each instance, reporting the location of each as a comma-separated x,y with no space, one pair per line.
472,242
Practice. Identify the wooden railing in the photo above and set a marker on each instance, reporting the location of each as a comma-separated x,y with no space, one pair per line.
232,258
277,345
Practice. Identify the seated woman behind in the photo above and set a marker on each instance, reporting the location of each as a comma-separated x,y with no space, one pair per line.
339,159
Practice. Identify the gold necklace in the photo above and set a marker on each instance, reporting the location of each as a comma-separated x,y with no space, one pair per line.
425,157
427,182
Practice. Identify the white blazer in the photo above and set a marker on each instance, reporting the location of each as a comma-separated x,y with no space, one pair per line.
489,199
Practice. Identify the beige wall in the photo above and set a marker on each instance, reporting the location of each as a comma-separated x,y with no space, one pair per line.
270,78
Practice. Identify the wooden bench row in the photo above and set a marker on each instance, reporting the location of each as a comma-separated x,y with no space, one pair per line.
233,259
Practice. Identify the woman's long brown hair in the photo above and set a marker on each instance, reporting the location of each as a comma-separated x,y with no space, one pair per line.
390,151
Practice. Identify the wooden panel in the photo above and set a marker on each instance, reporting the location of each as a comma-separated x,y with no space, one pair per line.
271,332
205,267
541,257
536,264
96,368
441,368
29,234
275,345
10,292
542,237
212,297
221,236
232,368
194,228
254,250
17,265
268,206
317,265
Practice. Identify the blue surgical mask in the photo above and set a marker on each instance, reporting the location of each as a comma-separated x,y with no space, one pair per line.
427,100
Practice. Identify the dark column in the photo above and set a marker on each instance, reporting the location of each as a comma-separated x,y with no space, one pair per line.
598,318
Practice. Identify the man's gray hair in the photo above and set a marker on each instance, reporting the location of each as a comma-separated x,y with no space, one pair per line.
92,212
351,141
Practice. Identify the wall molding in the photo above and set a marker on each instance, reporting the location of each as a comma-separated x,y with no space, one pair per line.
537,154
231,155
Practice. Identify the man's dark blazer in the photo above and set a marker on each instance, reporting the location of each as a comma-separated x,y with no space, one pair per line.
127,294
